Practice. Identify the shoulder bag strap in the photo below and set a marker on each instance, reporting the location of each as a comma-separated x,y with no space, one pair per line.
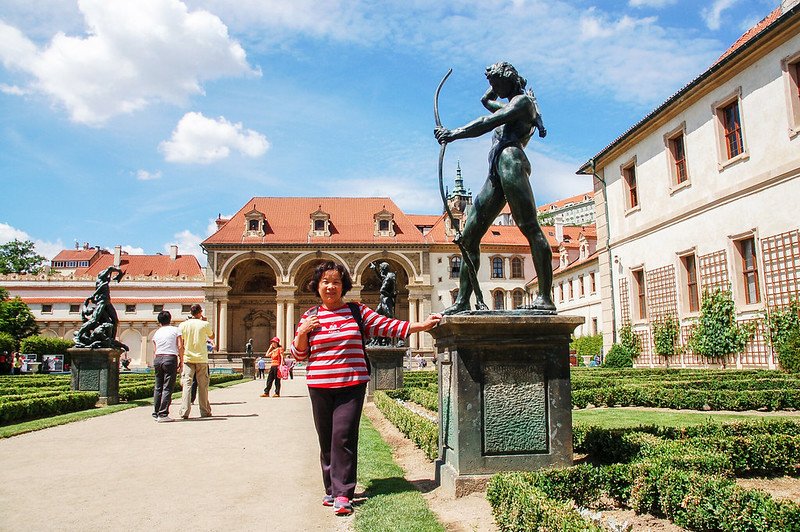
356,311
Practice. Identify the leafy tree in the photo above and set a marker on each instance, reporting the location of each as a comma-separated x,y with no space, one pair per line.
18,256
546,219
590,345
618,357
784,329
630,341
717,333
3,294
665,337
16,319
7,342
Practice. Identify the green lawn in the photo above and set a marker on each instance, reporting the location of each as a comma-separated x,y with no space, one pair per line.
632,417
392,502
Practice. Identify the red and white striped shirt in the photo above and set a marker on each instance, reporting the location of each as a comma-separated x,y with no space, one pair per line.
337,359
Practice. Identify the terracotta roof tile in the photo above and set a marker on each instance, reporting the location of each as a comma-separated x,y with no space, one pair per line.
78,254
147,265
752,32
288,221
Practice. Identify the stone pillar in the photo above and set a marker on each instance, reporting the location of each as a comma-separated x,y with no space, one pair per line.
222,344
96,370
504,396
143,349
412,317
289,323
280,324
386,368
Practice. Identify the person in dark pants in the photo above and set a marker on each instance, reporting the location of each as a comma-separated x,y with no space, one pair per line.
168,349
275,354
331,337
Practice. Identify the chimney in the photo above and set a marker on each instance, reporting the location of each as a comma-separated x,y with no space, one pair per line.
85,245
117,256
558,223
173,252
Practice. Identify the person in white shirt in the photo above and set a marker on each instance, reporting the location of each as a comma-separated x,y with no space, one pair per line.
168,344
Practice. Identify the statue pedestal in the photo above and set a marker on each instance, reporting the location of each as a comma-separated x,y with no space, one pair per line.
248,367
504,396
96,370
386,368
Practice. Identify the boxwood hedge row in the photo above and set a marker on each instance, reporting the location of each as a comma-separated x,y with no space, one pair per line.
38,407
424,433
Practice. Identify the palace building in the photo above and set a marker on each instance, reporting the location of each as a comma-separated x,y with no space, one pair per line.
701,193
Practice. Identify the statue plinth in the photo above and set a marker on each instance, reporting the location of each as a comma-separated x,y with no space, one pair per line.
386,371
96,370
504,396
249,366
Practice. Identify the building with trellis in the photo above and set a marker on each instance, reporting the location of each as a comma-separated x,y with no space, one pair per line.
701,195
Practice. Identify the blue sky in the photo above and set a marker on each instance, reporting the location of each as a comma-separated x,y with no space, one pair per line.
137,123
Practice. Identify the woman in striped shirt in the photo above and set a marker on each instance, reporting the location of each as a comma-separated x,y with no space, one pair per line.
329,336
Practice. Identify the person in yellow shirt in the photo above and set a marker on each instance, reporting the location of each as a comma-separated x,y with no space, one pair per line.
195,332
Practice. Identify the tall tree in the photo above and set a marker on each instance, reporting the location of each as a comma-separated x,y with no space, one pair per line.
18,256
16,319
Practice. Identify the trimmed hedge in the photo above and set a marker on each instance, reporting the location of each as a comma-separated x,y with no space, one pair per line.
39,407
420,379
518,505
424,433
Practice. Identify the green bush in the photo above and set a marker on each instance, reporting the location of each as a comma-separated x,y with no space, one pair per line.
421,379
39,407
518,505
789,353
630,341
665,337
425,398
424,433
717,334
44,345
618,357
587,345
7,343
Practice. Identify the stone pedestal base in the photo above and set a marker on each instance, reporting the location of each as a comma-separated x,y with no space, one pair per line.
387,368
248,367
96,370
504,396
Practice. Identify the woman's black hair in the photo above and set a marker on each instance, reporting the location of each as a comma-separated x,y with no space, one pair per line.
347,281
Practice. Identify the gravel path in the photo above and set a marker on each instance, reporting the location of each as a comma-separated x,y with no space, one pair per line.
254,465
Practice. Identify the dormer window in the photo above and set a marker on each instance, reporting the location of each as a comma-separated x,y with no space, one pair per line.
384,223
255,223
320,223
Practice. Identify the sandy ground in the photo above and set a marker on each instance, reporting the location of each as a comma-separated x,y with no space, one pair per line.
125,472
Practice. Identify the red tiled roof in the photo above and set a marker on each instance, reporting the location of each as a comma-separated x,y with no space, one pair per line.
121,300
560,203
752,32
575,264
77,254
508,235
288,221
424,219
147,265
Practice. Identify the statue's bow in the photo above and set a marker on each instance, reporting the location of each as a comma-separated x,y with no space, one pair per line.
471,270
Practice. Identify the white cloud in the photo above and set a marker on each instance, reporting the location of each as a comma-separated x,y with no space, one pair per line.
713,15
188,244
581,50
201,140
132,250
132,55
47,249
144,175
12,90
657,4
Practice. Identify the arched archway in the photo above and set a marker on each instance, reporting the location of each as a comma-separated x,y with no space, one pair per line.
251,300
133,339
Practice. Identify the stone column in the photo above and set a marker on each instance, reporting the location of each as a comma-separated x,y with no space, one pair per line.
143,348
281,320
222,345
504,395
412,317
290,324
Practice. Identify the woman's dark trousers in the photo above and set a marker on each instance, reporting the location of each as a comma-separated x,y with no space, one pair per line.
273,377
337,413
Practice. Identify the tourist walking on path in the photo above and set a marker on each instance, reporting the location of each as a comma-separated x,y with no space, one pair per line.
289,362
261,365
168,349
332,336
196,331
275,354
